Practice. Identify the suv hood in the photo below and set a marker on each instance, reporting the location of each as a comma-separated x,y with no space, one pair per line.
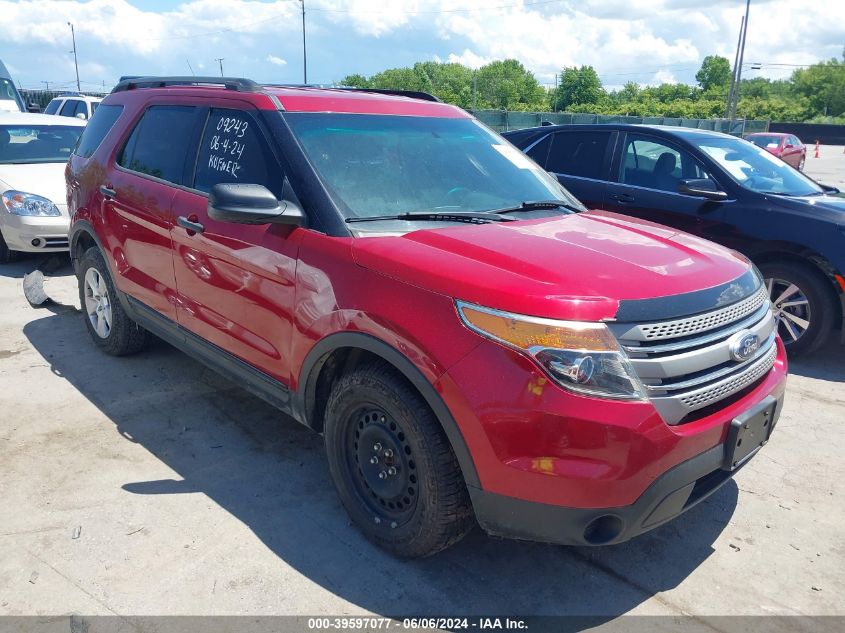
571,267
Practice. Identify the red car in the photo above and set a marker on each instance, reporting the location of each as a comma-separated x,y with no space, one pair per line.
472,344
787,147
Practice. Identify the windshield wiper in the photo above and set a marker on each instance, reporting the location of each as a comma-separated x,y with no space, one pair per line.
534,205
473,217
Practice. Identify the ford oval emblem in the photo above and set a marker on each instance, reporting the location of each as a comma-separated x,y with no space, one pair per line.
742,345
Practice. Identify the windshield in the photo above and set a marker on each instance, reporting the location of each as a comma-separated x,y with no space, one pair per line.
765,140
37,143
379,165
756,169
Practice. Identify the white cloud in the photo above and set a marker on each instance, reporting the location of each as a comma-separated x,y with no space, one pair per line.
625,40
662,77
276,61
468,58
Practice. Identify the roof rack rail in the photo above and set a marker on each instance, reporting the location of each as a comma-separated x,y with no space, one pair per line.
237,84
412,94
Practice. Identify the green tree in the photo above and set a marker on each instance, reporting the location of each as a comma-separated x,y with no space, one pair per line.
355,81
507,85
715,72
580,86
823,85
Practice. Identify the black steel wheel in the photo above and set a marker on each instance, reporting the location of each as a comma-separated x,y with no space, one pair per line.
391,463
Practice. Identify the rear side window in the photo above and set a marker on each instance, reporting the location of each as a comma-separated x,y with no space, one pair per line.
101,122
578,153
233,149
159,142
53,106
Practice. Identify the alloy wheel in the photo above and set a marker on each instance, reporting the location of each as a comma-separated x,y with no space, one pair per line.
97,303
791,308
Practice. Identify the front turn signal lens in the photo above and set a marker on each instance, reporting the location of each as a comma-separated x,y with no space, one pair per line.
580,356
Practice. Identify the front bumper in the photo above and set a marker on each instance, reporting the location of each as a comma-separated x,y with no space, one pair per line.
557,467
35,234
673,493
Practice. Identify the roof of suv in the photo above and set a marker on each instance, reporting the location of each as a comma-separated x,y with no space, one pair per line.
294,98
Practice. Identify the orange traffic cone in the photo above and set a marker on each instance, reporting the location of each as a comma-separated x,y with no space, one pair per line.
817,149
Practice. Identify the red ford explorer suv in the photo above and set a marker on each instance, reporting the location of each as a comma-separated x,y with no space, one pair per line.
472,343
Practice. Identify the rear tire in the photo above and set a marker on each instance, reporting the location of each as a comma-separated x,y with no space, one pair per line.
807,307
393,467
108,324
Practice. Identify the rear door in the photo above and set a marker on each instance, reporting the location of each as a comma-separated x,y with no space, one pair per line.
236,282
647,172
138,192
580,160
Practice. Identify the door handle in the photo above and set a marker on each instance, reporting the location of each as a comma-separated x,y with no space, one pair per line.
190,225
107,192
624,198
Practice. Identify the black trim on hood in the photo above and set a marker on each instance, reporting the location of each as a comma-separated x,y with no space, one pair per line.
690,303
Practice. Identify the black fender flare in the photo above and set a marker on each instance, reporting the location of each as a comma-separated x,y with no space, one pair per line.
305,396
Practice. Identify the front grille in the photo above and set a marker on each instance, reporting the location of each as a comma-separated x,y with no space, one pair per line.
701,322
686,364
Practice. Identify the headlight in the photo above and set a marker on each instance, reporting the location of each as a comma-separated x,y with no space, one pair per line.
580,356
21,203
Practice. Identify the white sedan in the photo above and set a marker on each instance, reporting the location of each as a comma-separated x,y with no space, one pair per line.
34,149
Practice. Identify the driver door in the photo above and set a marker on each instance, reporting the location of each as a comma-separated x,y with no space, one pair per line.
645,185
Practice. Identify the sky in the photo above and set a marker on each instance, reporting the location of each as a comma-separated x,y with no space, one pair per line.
644,41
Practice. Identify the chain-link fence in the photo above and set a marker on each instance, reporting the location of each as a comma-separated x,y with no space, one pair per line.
43,97
503,120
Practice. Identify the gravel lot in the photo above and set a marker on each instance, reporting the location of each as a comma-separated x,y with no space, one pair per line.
149,485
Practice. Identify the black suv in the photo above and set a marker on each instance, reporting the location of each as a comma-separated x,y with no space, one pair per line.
719,187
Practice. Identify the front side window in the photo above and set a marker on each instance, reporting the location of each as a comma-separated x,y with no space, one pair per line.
157,145
233,149
375,165
101,122
578,153
53,106
755,168
37,143
649,163
69,107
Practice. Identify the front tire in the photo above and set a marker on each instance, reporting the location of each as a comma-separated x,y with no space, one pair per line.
801,164
7,256
108,324
393,467
804,305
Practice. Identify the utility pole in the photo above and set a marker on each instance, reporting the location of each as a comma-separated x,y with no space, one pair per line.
304,52
47,84
735,101
75,61
733,74
219,60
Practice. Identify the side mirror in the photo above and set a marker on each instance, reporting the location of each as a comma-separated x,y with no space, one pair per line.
33,107
81,115
788,146
251,204
701,187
